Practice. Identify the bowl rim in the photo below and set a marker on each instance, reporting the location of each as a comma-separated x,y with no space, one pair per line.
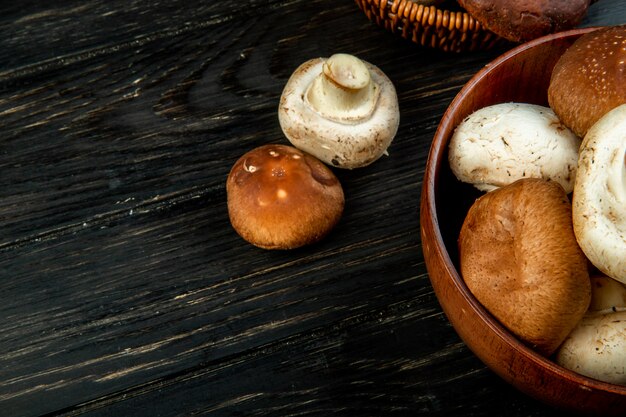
431,179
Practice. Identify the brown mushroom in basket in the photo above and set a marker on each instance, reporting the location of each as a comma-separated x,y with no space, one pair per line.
342,110
520,259
282,198
589,79
523,20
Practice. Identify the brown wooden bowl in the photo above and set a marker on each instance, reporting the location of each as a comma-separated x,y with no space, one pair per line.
522,75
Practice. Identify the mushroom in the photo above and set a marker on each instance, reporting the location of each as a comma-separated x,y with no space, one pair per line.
597,346
607,295
599,202
342,110
282,198
523,20
519,258
499,144
589,79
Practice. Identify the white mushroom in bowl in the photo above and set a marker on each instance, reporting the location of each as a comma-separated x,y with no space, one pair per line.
342,110
499,144
599,202
597,346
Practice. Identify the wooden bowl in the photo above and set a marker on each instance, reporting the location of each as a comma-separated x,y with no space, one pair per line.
522,75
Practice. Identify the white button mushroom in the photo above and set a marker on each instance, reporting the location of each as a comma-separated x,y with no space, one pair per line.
597,346
342,110
499,144
599,202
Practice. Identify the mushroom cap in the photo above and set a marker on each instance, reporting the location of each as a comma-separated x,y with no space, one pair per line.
282,198
523,20
499,144
341,142
597,345
599,200
597,348
589,79
519,257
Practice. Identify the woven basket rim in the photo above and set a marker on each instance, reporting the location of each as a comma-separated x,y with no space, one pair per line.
414,12
435,26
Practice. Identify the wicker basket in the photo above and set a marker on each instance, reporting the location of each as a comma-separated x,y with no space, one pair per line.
448,30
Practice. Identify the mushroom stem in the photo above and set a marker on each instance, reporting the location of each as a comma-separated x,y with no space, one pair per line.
344,91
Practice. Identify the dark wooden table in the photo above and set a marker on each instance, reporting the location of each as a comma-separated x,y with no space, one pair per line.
124,290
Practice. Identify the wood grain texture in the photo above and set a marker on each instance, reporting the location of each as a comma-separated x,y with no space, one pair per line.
124,289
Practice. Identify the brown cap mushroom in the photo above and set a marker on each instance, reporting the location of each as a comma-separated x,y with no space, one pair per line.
282,198
342,110
523,20
520,259
589,79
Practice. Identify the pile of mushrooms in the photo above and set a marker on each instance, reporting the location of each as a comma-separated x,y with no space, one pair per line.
341,111
550,269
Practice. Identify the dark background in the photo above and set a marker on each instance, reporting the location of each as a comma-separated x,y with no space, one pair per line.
124,291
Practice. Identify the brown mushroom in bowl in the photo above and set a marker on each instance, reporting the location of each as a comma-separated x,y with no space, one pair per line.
281,198
342,110
589,79
520,259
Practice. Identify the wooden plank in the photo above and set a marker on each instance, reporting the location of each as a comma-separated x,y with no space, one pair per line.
334,371
35,35
166,289
111,132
